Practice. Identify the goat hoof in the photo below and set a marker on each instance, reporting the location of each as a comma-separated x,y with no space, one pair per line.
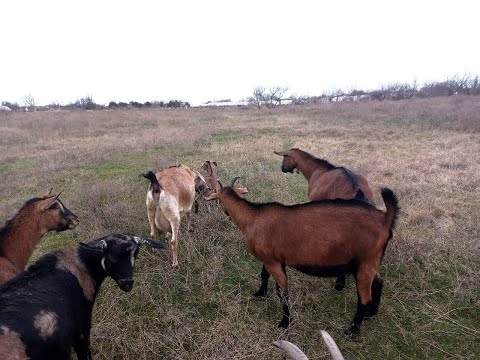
352,331
339,286
176,267
260,294
284,324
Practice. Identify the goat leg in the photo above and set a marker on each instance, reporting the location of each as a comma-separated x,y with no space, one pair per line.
82,348
377,286
340,282
286,319
263,286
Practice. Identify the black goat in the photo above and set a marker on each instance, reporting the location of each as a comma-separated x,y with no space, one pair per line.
47,309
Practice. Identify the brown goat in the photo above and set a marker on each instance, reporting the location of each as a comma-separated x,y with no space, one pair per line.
322,238
171,195
211,176
210,168
22,233
326,181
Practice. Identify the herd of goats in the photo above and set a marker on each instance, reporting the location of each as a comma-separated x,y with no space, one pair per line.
46,310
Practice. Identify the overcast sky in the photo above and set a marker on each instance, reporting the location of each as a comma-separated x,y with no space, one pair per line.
114,50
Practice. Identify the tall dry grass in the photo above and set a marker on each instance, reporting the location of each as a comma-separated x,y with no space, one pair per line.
427,151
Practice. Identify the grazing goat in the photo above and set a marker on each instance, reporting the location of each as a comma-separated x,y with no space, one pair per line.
22,233
47,310
295,353
326,181
321,238
171,195
210,168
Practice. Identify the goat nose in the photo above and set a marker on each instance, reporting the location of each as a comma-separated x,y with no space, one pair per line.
125,284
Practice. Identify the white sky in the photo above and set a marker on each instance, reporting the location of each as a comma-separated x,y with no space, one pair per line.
114,50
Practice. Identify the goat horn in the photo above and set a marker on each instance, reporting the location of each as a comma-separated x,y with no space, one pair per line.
234,179
292,350
332,346
219,183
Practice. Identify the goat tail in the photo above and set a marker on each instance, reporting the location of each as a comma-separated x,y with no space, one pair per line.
150,176
391,203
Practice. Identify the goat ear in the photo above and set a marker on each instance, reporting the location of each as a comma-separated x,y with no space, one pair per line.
102,246
281,153
47,194
212,196
155,244
49,202
240,190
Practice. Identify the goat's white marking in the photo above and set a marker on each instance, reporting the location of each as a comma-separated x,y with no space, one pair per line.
103,264
132,257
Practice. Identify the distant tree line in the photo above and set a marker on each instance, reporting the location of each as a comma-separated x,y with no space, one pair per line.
457,85
87,103
274,96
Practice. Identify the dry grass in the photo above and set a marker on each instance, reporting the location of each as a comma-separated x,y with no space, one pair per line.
427,151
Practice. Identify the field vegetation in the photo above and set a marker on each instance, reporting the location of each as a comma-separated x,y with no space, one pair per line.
426,150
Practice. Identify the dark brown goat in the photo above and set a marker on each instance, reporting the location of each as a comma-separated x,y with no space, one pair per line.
322,238
326,181
22,233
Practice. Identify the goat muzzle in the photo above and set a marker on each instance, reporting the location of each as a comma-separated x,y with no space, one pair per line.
125,284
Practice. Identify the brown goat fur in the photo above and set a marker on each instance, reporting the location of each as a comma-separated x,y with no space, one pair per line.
325,181
22,233
210,169
170,196
323,238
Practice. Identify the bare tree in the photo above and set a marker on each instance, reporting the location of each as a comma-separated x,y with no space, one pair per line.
29,101
270,98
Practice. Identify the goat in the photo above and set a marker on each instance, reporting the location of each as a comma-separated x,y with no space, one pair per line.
210,168
321,238
295,353
171,195
22,233
47,310
326,181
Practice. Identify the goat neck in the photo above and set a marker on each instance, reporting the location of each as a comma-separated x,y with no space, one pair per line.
238,209
18,239
308,164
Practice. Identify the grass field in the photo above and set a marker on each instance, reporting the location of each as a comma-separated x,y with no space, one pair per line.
427,151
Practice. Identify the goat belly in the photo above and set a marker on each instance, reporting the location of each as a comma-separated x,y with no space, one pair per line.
327,271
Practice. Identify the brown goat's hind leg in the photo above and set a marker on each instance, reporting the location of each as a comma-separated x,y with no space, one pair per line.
377,286
364,302
263,286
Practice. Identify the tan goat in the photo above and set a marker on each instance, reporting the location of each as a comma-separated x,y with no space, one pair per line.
170,196
22,233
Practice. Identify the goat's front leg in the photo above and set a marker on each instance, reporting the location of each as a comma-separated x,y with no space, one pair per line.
264,275
340,282
82,347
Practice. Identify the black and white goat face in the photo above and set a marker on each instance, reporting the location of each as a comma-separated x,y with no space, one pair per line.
119,254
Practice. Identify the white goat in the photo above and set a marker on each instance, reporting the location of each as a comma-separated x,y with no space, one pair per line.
170,196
